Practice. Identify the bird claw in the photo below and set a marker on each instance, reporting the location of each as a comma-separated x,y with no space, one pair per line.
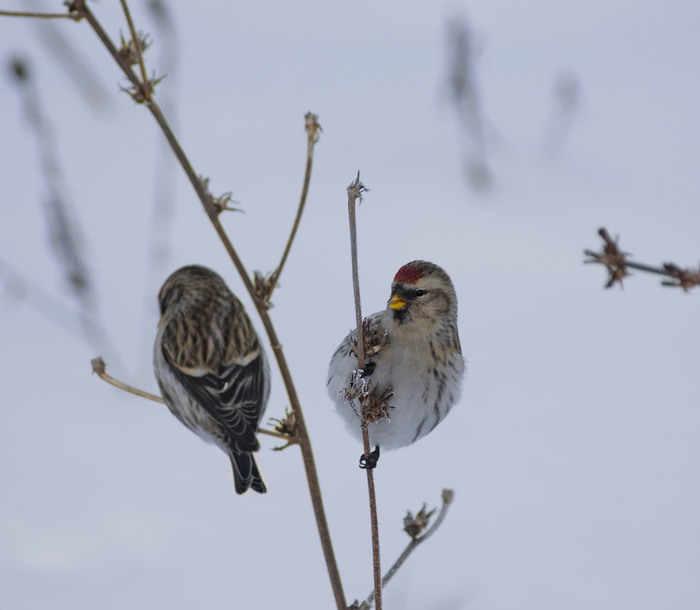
369,369
369,462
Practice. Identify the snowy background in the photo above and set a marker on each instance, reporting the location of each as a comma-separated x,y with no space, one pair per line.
574,452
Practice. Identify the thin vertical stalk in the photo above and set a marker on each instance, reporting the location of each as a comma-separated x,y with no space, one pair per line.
355,191
312,130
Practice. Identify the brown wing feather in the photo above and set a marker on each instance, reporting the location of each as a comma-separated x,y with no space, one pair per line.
234,396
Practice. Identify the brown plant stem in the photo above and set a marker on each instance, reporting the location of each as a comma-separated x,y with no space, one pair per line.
447,499
100,369
355,191
205,199
312,130
137,45
39,15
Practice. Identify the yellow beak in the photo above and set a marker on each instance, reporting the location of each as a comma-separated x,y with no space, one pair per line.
396,302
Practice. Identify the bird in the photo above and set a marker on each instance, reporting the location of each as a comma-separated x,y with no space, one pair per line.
421,360
211,368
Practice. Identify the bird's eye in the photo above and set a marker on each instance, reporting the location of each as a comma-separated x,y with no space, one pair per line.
420,293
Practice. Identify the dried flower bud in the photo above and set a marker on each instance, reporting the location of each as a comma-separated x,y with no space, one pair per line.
414,526
313,127
129,50
287,425
612,257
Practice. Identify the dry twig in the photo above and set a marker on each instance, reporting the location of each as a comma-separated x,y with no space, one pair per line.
36,15
617,264
100,369
355,192
415,527
313,131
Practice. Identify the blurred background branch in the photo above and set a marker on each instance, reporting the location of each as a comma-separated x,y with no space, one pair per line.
62,225
464,94
617,263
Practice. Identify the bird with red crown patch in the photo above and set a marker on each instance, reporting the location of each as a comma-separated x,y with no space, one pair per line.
420,360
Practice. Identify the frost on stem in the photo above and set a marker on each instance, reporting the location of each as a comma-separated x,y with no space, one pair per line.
369,400
373,341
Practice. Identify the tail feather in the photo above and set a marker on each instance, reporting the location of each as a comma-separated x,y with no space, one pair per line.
245,473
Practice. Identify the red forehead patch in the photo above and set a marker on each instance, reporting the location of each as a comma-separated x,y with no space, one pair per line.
408,274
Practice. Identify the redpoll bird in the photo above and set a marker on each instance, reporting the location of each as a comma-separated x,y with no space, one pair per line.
211,368
421,359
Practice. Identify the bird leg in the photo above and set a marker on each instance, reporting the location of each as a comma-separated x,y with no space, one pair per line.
369,462
369,369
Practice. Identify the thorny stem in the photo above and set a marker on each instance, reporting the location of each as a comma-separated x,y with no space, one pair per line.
137,45
355,191
312,130
205,199
100,369
447,498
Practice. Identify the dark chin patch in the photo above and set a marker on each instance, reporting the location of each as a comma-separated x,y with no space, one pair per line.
401,316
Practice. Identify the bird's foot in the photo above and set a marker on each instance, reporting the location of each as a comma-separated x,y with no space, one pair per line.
369,369
368,462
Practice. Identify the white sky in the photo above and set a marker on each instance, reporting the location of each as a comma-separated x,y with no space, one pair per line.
574,452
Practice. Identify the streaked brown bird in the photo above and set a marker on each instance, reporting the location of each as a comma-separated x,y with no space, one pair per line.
211,368
421,362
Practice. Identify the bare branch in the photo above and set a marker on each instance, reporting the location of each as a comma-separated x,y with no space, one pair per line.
413,528
313,132
355,192
100,369
68,15
617,264
139,43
